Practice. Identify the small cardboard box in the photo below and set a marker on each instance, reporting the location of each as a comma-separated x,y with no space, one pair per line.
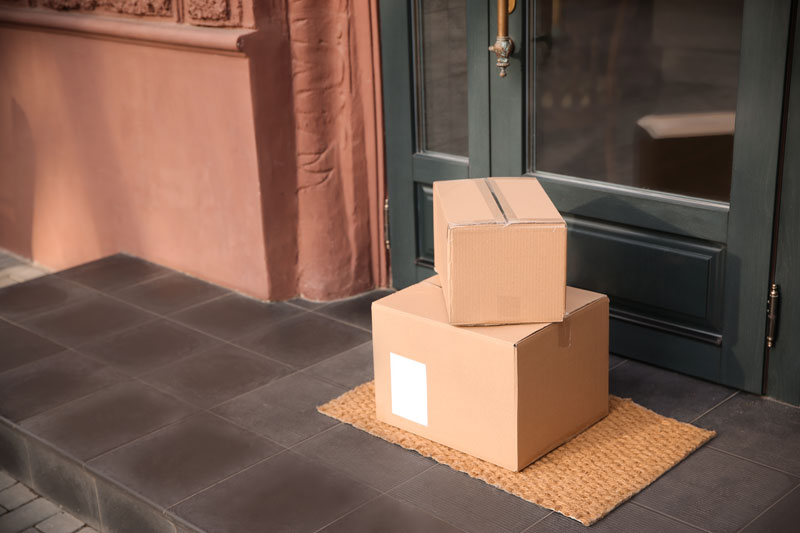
500,248
505,394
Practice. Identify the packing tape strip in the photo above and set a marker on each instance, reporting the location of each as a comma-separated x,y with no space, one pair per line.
502,203
491,201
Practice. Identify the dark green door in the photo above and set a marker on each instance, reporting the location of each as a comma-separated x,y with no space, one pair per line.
626,112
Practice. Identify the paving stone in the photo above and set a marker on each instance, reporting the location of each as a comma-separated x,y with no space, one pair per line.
667,393
147,347
468,504
170,293
374,462
87,529
759,429
21,347
783,516
284,411
347,369
6,480
628,517
37,387
216,375
114,272
42,294
60,523
177,461
29,514
15,496
356,310
109,418
716,491
91,318
389,515
305,339
285,493
233,316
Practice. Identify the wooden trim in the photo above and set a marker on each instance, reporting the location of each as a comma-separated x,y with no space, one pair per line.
759,108
783,372
137,31
660,211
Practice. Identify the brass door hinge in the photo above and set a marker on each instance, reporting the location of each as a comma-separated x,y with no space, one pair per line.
386,240
773,301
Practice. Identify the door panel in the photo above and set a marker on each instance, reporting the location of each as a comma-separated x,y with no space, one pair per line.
682,284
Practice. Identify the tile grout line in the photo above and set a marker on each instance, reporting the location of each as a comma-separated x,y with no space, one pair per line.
773,504
753,461
673,518
283,449
618,365
170,319
36,314
171,507
339,320
64,404
196,410
384,493
351,511
704,413
530,527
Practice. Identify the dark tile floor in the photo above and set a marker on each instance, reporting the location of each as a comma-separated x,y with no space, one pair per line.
204,402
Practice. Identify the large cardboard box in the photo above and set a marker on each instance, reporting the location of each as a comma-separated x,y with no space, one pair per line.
505,394
500,247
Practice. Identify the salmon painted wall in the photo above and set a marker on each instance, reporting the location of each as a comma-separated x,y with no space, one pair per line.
257,166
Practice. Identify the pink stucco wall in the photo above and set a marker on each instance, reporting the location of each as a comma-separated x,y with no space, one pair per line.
258,169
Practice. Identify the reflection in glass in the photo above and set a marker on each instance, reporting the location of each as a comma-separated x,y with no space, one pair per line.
443,32
638,92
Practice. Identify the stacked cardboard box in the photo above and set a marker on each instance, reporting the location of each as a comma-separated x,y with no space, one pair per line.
495,356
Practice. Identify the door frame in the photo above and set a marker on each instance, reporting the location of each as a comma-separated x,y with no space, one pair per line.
398,48
783,359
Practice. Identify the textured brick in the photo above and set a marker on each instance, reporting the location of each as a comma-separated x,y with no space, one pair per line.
29,514
60,523
15,495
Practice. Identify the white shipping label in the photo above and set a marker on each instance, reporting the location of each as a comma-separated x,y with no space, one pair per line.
409,388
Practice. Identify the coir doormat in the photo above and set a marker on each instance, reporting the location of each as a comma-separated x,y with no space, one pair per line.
584,479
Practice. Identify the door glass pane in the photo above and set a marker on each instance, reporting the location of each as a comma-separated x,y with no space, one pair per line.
442,75
637,92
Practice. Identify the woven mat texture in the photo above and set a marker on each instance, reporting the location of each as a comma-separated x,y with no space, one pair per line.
584,479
